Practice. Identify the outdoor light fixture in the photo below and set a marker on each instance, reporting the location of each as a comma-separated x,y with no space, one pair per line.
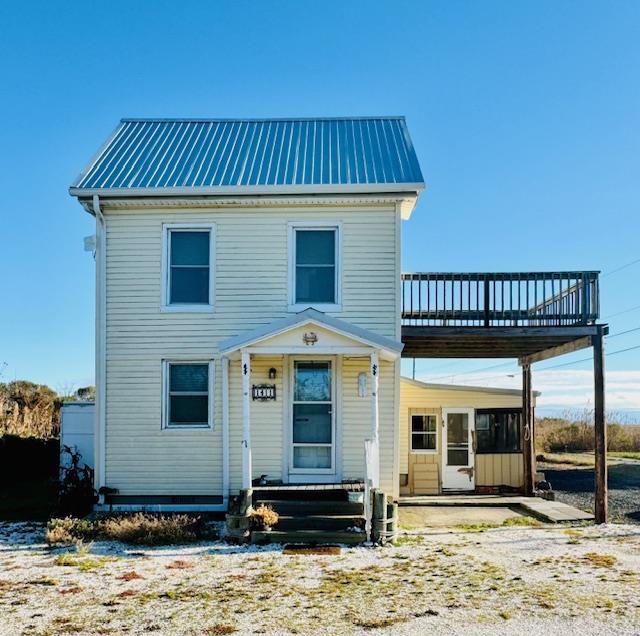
362,384
272,373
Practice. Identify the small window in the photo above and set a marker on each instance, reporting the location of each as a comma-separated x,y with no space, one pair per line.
188,399
315,266
189,279
423,433
498,430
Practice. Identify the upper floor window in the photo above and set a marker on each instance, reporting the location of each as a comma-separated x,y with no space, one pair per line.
498,430
315,267
188,264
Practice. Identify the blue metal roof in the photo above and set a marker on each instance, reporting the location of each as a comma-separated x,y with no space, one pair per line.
220,156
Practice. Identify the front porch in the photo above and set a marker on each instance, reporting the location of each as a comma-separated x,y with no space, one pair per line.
310,403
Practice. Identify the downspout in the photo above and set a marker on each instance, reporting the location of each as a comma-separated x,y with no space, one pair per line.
101,361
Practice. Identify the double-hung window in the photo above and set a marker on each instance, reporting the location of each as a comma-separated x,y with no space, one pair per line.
424,433
188,265
188,394
498,430
315,267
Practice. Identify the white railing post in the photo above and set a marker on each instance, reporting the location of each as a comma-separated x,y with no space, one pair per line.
245,369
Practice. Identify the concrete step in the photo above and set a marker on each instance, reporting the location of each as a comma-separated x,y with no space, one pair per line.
319,522
299,508
313,537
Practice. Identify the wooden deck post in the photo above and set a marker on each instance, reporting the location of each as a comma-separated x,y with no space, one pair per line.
600,426
528,441
246,420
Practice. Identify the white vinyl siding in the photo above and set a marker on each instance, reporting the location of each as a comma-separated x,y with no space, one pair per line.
251,289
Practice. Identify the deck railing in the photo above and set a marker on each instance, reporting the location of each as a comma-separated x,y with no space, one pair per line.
543,299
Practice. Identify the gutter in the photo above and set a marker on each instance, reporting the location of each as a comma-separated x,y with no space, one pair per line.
101,360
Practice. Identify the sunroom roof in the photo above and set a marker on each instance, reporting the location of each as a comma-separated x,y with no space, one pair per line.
253,156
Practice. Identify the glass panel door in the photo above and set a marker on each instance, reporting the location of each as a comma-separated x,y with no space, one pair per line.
458,462
312,425
457,439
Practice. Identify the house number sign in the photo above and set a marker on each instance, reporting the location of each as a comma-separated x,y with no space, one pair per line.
264,392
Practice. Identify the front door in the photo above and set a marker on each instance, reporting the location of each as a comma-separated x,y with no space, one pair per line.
312,456
458,451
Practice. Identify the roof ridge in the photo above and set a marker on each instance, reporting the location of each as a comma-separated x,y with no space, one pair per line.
260,119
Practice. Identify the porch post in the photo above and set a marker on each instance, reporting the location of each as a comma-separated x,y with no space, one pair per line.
245,367
375,415
225,429
600,426
373,472
528,431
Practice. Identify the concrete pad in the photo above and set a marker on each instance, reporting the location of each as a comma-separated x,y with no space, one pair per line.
414,517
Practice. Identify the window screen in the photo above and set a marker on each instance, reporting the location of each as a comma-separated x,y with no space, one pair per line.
423,432
189,267
188,399
498,430
315,266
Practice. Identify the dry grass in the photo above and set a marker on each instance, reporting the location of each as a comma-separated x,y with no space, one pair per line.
138,529
574,434
264,517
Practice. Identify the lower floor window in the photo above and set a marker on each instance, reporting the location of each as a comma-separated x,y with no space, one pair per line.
498,430
187,398
423,433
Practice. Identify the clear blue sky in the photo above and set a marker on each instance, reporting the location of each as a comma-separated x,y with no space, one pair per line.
525,116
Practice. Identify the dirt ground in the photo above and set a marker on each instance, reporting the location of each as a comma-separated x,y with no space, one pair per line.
508,580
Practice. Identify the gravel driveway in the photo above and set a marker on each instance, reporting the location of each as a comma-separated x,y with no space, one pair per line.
575,486
499,582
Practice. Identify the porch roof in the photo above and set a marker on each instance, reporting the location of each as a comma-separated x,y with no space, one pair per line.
388,347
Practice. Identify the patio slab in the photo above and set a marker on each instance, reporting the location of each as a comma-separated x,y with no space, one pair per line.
548,511
441,516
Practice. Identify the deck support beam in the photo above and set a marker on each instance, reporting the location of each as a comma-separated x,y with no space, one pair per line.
528,439
245,369
600,427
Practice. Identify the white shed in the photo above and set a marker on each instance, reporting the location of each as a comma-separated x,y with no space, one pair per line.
76,431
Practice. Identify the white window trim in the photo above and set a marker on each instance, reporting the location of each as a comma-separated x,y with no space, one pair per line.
422,451
293,306
165,395
165,306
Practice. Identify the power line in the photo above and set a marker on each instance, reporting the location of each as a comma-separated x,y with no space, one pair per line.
622,333
563,364
619,269
624,311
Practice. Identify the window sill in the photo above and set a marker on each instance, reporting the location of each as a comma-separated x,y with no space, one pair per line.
424,452
188,427
187,309
324,307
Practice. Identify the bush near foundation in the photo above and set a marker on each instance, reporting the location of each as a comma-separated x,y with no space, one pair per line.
139,528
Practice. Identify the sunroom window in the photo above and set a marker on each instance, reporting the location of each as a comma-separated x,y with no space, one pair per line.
187,394
189,276
498,430
423,433
315,266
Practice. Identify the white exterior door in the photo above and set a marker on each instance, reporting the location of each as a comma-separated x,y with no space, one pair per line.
312,455
457,449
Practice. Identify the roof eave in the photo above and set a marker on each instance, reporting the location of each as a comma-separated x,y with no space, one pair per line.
356,188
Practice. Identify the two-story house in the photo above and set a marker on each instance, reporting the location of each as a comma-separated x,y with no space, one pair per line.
248,303
251,314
